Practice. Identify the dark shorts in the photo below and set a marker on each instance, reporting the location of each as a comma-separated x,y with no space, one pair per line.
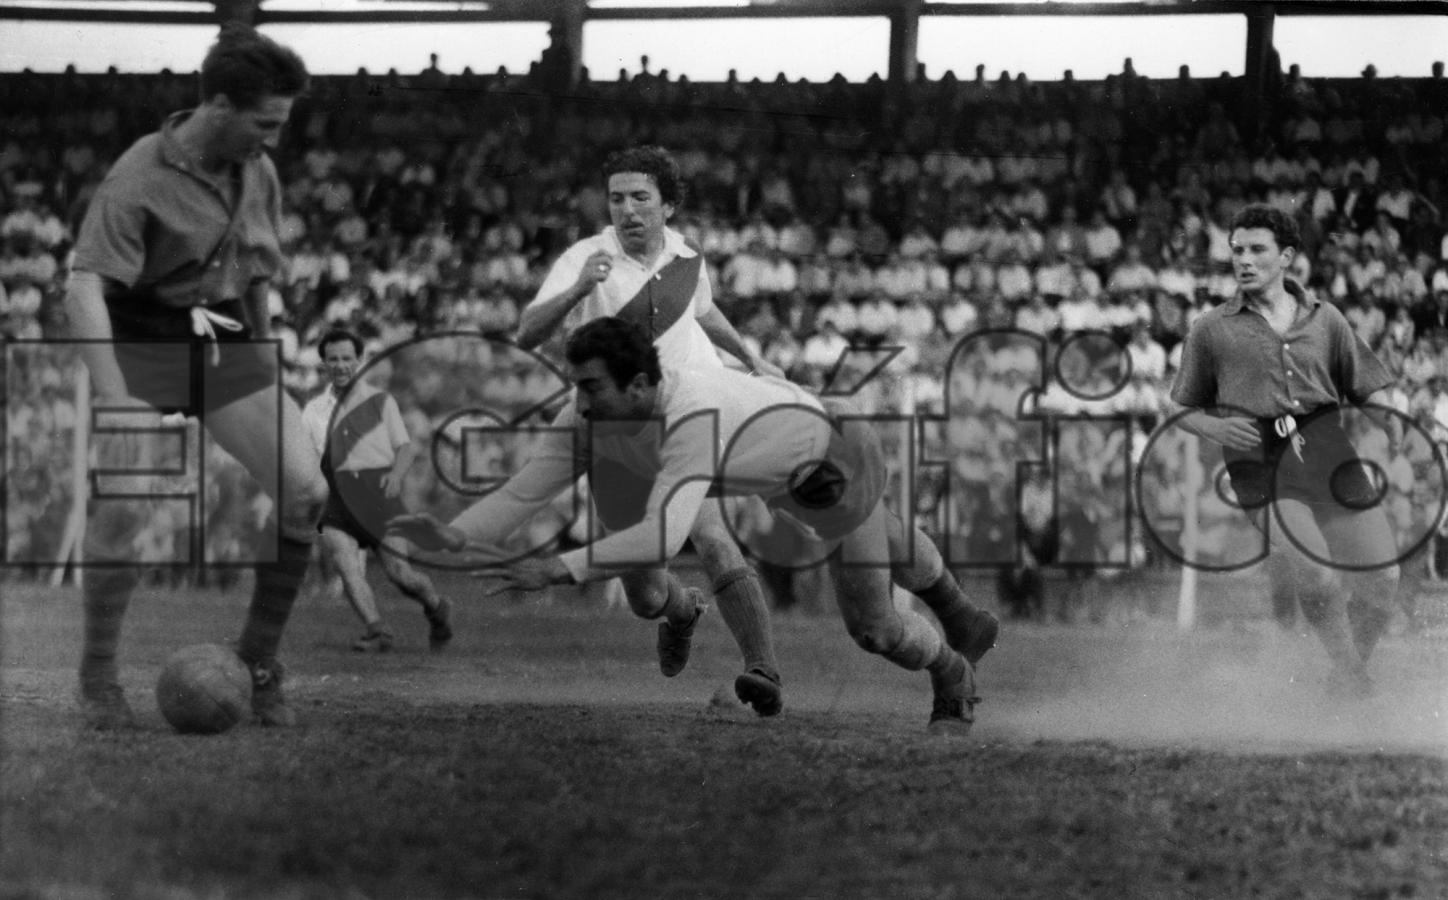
357,506
1329,472
170,368
838,494
620,495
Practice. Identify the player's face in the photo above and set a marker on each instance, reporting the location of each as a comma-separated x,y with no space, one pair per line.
248,132
638,211
339,359
1257,261
600,400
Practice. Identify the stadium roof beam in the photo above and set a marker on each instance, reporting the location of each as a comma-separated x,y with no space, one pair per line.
556,10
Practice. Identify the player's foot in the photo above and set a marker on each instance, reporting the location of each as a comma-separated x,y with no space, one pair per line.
953,710
268,703
760,689
972,632
440,625
103,706
376,639
675,641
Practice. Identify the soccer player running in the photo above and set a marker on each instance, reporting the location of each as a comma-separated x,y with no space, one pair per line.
1266,375
641,270
357,430
698,433
170,293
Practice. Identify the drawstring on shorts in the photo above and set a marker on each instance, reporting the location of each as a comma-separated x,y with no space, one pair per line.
1286,427
203,322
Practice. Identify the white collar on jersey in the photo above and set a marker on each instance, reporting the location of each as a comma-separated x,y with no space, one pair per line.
673,243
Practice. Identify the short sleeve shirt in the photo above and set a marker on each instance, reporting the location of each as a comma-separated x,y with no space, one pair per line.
158,221
683,343
1232,358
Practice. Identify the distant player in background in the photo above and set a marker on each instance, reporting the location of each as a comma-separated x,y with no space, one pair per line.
1264,376
641,270
366,452
171,272
817,468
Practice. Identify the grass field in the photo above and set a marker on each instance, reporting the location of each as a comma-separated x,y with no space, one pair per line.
543,756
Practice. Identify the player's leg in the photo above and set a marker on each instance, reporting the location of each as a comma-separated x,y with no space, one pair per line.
1297,536
112,574
286,464
1362,542
620,498
394,554
739,594
899,633
655,593
917,566
351,564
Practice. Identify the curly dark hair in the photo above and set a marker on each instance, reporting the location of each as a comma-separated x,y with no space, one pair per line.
652,161
338,336
1260,215
247,66
623,346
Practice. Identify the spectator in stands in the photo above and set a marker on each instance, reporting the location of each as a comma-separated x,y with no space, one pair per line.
1131,274
1103,242
959,316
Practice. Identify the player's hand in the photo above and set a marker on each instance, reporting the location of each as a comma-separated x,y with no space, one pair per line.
526,575
596,270
424,531
762,366
1236,432
391,487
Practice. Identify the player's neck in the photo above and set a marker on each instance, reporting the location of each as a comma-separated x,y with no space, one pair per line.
1274,296
649,253
196,138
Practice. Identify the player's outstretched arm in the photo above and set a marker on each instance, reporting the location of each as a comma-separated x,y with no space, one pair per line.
723,335
527,575
426,532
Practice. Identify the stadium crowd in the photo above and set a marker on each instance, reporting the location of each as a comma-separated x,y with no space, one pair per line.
831,215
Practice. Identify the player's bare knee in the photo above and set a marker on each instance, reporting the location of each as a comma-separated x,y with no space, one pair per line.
647,595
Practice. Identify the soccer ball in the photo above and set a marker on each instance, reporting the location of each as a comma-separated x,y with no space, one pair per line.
204,689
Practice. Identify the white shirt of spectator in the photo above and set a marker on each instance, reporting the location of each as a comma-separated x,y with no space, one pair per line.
685,343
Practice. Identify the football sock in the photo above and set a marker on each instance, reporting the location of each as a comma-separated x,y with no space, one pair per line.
740,597
944,597
277,584
679,608
106,595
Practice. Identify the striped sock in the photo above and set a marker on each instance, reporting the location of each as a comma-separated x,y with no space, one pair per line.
106,595
740,598
277,585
